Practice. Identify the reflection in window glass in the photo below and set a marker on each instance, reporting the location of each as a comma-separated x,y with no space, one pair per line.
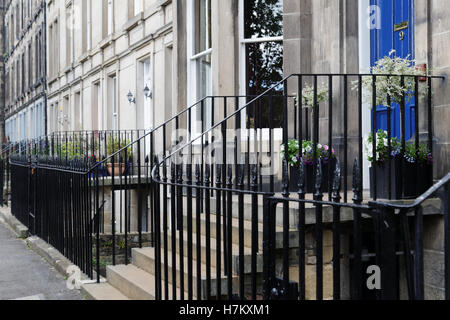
263,18
265,69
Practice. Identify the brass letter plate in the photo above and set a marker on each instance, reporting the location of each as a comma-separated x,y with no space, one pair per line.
401,26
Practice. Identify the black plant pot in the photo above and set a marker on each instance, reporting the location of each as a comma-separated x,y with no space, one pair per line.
383,176
417,179
310,178
408,180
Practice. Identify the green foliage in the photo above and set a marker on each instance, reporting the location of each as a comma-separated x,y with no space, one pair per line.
114,145
103,264
121,245
70,150
421,155
382,145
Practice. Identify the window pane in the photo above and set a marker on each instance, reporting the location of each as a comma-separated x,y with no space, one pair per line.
203,25
263,18
265,69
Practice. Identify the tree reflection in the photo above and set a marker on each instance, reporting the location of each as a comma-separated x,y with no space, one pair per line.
264,19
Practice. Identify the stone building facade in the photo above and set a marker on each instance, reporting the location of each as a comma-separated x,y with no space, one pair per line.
85,63
2,71
315,36
25,69
98,53
82,58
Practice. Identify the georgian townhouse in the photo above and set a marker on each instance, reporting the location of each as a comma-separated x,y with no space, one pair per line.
109,64
25,69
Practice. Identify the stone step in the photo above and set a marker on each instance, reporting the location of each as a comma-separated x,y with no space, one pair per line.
247,228
235,248
310,210
145,259
102,291
133,282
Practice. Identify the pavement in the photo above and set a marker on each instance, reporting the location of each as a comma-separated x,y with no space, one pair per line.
24,275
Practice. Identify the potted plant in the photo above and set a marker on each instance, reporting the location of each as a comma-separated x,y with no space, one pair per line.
323,153
387,165
114,145
69,150
391,88
308,99
418,170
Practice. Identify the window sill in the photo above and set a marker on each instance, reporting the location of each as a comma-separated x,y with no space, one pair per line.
85,57
133,22
106,42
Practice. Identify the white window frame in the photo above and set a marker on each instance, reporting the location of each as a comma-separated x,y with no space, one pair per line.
192,57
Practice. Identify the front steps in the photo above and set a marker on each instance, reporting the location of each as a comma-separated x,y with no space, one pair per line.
102,291
136,281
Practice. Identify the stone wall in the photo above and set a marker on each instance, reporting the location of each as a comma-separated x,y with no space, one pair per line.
106,242
434,258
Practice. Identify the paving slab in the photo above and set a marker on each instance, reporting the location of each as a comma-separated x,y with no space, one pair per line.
25,275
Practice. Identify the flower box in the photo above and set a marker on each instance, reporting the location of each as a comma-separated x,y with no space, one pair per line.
408,180
417,179
383,177
310,178
323,153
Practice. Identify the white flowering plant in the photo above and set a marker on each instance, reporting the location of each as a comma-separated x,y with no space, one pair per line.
391,86
382,146
308,95
323,152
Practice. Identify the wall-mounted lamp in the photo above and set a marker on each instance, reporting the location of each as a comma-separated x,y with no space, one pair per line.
147,92
131,98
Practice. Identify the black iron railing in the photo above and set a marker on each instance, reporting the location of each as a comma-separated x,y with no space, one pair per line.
236,162
230,190
111,173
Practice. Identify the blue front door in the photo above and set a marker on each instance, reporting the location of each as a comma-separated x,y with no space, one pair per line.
396,32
